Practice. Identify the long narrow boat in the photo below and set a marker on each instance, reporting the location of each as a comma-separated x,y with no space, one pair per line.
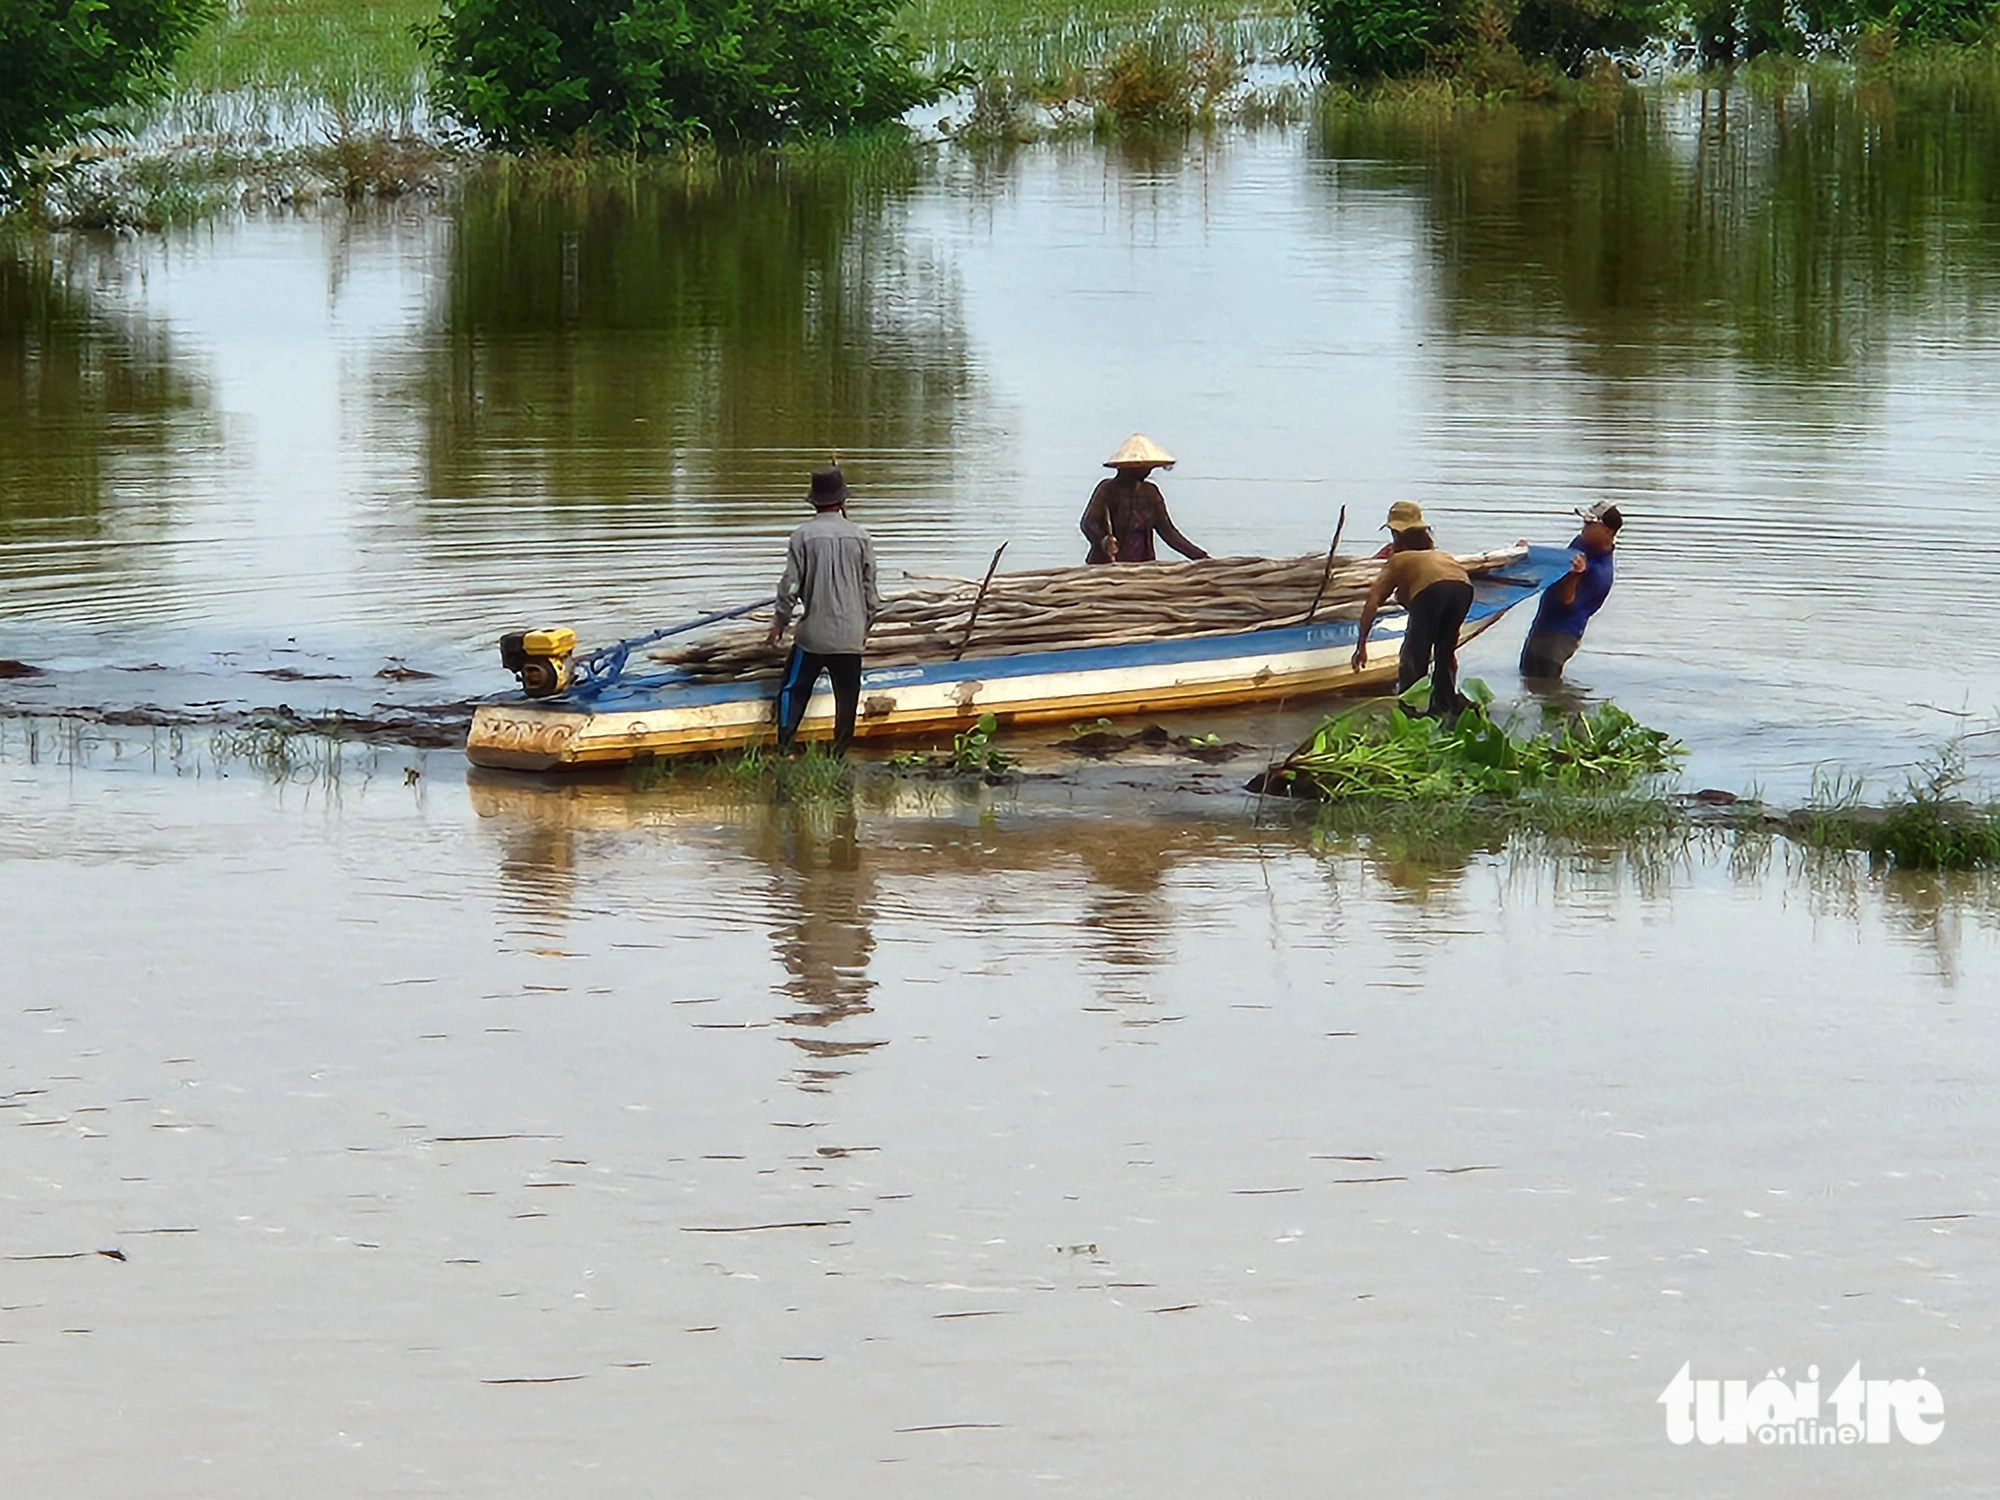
668,714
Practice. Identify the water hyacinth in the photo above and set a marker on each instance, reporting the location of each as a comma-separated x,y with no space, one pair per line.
1403,755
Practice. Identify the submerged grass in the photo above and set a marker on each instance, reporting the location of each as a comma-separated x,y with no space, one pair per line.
1928,826
757,771
262,62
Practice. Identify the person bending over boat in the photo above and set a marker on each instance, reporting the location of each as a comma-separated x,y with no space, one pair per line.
1566,609
1435,591
1127,509
830,578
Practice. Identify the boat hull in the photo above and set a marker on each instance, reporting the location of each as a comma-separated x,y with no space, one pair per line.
668,717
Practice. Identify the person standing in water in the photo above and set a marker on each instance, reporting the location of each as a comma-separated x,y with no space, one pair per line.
830,578
1126,510
1567,608
1435,591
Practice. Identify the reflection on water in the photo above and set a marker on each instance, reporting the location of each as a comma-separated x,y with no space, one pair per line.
661,357
753,319
94,405
1798,231
495,1207
1118,898
821,907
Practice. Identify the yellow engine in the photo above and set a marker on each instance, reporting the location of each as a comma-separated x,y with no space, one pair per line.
541,659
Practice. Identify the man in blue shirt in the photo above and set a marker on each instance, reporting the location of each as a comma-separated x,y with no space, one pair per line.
1566,608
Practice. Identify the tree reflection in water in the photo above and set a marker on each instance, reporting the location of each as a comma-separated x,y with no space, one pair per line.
94,409
1664,227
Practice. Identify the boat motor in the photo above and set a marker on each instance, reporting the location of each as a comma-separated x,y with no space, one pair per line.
541,659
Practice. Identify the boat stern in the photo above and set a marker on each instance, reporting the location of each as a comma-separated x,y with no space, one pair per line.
518,737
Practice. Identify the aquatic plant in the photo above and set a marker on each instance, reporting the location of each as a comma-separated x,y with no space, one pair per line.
972,753
1401,756
1930,827
973,750
1148,84
815,772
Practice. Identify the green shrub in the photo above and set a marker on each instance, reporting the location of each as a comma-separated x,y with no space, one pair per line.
642,75
64,62
1368,39
1498,42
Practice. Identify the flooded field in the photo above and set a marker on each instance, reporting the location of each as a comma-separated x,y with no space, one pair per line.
322,446
1108,1136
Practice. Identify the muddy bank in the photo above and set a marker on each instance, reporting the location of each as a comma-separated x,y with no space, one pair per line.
424,727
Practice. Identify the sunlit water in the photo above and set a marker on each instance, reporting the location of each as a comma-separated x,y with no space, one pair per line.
1135,1145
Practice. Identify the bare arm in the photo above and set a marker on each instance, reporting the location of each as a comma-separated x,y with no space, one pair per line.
1096,522
1170,534
1377,593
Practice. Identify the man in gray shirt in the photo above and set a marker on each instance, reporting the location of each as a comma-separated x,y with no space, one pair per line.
830,578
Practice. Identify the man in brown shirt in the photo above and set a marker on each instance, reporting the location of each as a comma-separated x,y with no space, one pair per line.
1435,591
1126,510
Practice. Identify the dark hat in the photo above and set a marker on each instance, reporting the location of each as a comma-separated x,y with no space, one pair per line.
1604,513
829,489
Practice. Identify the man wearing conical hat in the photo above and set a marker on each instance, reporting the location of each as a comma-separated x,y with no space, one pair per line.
1127,510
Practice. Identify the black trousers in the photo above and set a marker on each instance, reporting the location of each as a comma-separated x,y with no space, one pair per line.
1545,655
1430,642
796,686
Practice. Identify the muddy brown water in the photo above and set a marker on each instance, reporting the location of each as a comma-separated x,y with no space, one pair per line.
468,1136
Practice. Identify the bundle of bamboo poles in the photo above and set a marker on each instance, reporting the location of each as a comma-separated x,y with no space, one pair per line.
1063,608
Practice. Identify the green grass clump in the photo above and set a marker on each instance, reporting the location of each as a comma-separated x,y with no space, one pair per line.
1931,826
814,773
1400,756
355,58
1923,833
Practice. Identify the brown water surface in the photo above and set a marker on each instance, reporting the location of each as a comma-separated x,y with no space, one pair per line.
502,1139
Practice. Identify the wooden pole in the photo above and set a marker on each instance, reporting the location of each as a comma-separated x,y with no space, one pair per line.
985,584
1338,527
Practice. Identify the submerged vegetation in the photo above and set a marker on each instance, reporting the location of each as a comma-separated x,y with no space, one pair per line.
1929,825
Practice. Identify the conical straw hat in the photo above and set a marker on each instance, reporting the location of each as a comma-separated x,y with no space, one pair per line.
1138,451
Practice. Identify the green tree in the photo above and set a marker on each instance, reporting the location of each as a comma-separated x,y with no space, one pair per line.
1369,39
1366,39
63,63
1570,32
645,74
